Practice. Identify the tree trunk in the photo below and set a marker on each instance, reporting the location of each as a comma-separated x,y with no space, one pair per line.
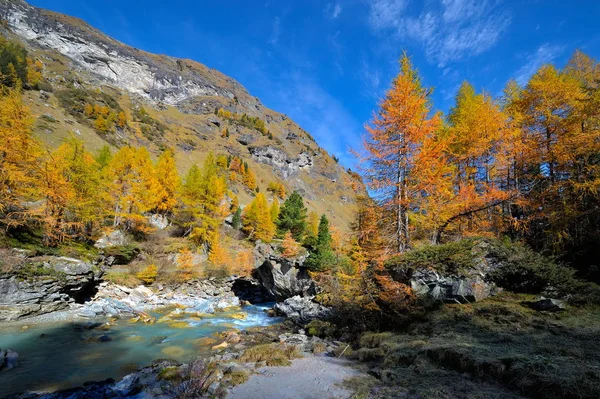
402,215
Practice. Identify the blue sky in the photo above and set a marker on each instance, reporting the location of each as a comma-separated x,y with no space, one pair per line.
326,63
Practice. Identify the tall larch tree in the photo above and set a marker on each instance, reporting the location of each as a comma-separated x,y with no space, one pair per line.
19,155
257,221
203,194
393,141
73,205
474,141
274,210
132,186
169,181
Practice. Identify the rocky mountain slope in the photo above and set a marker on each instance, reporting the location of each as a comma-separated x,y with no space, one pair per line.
168,102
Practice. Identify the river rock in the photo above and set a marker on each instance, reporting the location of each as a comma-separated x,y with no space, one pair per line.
302,309
282,277
9,359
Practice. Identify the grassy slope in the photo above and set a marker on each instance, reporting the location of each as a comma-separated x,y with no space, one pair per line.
496,348
195,130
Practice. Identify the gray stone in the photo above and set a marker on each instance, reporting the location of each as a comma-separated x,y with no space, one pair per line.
547,305
465,286
302,309
282,277
159,222
246,139
115,238
281,161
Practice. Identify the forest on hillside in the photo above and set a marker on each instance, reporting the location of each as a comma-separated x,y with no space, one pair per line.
523,166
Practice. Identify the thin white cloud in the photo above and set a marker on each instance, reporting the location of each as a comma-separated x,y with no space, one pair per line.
276,32
448,30
337,51
459,10
386,14
545,54
371,78
337,10
333,11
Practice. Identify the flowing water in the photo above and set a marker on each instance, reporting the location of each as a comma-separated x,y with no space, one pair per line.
65,355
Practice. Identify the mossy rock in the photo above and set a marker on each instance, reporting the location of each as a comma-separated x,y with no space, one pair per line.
174,351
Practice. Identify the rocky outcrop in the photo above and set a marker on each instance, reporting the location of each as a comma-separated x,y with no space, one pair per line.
457,289
464,285
280,160
302,309
282,277
115,238
160,78
44,285
158,221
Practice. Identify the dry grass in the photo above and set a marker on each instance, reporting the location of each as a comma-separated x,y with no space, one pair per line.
271,354
493,349
125,278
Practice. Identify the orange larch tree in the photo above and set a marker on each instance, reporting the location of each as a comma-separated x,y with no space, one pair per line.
395,136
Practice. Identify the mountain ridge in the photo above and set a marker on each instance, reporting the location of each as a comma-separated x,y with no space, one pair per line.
182,94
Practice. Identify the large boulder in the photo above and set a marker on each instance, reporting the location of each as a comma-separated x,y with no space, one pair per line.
546,305
282,277
158,221
460,274
45,284
115,238
301,309
453,288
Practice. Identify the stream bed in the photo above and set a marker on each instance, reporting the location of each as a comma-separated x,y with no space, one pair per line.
64,355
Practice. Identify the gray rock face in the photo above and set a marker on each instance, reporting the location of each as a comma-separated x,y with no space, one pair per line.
246,139
9,359
283,278
302,309
160,78
280,160
115,238
64,281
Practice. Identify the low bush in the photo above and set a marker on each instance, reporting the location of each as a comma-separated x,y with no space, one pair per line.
451,258
123,254
321,329
148,274
521,269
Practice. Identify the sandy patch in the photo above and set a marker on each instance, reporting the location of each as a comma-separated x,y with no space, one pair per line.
314,377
